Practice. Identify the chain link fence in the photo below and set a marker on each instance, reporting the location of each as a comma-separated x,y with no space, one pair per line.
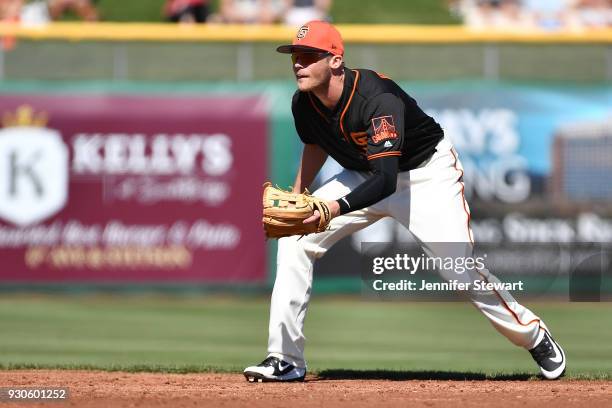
254,61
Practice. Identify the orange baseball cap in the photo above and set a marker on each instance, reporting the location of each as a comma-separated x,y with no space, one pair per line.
315,36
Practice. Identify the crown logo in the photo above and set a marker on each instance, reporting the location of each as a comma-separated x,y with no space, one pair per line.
25,116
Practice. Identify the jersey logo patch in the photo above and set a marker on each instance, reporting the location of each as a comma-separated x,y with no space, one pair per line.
388,144
384,129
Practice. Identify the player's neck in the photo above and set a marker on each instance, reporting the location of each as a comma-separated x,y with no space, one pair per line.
330,94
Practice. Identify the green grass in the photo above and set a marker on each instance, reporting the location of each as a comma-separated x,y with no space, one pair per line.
370,339
134,10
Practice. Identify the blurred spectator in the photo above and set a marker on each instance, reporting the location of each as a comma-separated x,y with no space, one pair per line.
35,13
495,13
250,11
10,10
84,9
543,14
477,13
548,14
186,11
299,12
592,13
9,13
513,15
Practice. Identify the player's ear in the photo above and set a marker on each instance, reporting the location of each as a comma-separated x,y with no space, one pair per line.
336,61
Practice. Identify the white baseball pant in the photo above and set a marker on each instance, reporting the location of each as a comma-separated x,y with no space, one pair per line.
430,202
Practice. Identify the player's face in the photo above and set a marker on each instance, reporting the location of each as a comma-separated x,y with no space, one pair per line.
311,69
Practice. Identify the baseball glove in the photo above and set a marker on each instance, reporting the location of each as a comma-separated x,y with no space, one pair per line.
284,213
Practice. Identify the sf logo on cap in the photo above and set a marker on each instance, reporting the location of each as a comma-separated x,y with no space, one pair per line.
302,32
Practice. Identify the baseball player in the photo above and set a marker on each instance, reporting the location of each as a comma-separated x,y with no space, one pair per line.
396,162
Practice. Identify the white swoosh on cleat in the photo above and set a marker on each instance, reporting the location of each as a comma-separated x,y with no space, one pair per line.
558,357
280,366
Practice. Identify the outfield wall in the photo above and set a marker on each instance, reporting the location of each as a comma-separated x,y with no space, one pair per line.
169,52
520,190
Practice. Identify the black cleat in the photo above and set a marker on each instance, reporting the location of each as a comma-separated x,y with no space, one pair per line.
549,356
274,369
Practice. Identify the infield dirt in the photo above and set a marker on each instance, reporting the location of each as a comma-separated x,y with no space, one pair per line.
118,389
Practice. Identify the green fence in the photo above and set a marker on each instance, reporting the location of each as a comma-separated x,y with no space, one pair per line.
190,61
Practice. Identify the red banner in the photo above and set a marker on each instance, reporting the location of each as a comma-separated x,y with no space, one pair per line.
132,188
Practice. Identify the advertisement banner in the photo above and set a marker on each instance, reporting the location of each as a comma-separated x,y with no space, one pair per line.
537,161
122,188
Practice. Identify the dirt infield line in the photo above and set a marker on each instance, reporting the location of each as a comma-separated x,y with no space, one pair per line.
117,389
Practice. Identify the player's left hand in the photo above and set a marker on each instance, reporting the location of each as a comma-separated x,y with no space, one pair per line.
334,209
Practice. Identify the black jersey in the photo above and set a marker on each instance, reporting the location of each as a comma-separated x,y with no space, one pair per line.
374,118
